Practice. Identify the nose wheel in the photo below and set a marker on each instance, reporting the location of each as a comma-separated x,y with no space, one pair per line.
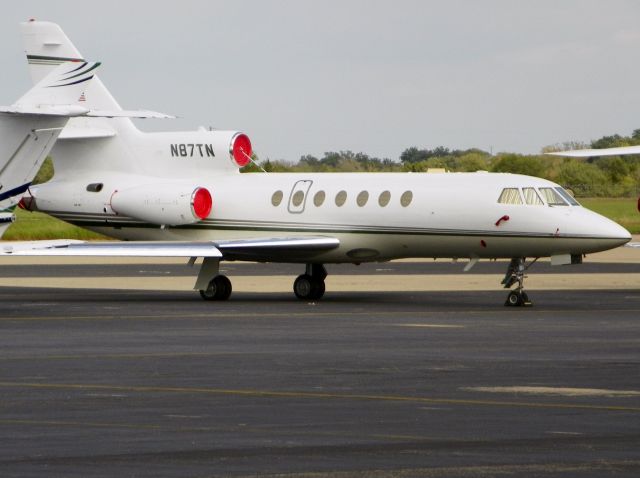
517,298
310,286
515,275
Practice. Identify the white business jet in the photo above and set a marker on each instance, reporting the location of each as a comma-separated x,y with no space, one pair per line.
181,194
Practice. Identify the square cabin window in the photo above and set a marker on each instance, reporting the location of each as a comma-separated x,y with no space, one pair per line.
510,196
531,197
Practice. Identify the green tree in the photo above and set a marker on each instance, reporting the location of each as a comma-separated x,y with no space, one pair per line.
519,164
583,178
45,173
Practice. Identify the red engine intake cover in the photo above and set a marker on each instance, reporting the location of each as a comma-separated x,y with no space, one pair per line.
201,203
241,149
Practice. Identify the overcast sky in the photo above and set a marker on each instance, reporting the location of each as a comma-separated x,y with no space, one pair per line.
305,77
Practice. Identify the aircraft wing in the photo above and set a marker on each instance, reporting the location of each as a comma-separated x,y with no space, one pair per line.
588,153
246,249
110,249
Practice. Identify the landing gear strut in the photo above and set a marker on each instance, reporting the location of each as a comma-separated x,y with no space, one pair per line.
310,285
211,284
515,274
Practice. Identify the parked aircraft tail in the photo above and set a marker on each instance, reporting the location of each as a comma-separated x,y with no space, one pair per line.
93,144
30,127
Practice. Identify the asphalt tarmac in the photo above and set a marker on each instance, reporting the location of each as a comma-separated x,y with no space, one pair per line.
146,383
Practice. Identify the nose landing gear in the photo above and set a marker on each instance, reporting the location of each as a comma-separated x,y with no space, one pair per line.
515,274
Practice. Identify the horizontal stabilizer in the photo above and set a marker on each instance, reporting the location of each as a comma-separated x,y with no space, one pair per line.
589,153
75,110
62,93
128,114
75,132
45,110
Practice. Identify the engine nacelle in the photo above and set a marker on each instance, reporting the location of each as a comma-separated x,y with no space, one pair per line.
234,145
163,204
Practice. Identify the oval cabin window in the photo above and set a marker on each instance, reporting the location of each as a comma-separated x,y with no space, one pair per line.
341,198
276,199
318,199
406,198
362,198
384,198
297,198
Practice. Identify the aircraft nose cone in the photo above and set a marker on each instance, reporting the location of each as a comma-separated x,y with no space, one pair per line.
602,232
620,233
615,234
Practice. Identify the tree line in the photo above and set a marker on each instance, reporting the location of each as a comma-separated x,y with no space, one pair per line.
613,176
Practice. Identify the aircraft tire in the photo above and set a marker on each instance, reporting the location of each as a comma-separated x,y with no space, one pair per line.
218,289
307,287
517,298
514,299
303,287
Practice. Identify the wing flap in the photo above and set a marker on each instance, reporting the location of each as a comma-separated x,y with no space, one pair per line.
276,248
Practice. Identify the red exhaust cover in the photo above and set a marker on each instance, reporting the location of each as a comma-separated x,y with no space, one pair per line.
241,150
201,203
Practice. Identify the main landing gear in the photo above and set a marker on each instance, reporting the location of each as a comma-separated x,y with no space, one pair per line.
515,274
219,288
211,284
310,285
214,286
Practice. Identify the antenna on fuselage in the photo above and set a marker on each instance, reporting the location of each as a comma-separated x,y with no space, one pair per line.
252,161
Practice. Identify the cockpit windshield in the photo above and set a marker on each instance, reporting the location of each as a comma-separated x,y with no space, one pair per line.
553,197
565,194
537,197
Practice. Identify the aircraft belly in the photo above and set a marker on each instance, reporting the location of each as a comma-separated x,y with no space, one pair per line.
367,247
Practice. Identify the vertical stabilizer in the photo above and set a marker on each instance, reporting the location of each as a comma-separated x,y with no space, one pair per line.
47,46
65,84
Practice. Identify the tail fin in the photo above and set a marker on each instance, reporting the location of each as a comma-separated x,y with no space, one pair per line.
47,47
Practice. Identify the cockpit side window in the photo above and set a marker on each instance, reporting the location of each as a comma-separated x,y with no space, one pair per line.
552,197
510,196
568,197
531,197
